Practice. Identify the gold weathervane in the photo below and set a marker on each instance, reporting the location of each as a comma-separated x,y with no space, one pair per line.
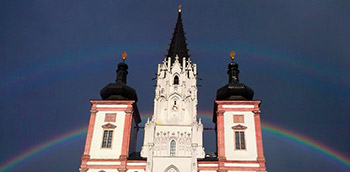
180,8
232,54
124,55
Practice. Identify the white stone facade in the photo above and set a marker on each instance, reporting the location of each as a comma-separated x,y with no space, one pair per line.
242,117
108,152
96,150
173,137
250,152
176,103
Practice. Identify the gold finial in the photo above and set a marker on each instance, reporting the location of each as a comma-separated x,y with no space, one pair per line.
180,8
124,55
232,54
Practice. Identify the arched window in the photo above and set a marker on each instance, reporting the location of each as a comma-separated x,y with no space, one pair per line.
176,80
172,148
171,168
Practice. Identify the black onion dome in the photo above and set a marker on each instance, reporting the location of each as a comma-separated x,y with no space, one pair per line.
119,90
234,90
178,45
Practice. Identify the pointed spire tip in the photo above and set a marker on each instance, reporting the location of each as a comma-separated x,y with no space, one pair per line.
178,45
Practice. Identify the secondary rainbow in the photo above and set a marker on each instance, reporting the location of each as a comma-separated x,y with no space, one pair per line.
274,129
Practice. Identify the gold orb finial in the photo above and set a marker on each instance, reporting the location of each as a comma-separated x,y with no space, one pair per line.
124,55
180,8
232,54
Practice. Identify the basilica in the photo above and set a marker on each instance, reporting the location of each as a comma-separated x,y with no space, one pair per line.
173,136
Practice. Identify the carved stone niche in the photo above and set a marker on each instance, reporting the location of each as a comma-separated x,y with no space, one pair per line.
239,127
109,126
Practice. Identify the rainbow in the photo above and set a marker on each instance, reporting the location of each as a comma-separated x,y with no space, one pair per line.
280,131
299,138
46,145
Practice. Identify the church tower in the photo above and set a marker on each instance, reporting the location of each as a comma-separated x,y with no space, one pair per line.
112,130
238,127
173,136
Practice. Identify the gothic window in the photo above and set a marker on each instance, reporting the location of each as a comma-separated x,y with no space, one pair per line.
172,148
240,140
176,80
107,138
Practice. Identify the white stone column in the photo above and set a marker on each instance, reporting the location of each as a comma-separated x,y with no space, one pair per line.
150,157
194,157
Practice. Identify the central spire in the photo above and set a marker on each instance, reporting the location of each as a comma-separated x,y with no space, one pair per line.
178,45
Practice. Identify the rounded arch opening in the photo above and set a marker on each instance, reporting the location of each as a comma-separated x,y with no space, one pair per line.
172,148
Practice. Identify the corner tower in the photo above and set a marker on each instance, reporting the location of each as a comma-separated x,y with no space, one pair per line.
112,130
173,136
238,127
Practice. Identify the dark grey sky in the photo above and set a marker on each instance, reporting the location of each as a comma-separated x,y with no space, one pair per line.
56,55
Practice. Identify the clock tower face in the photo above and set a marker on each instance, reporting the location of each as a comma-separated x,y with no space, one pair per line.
174,108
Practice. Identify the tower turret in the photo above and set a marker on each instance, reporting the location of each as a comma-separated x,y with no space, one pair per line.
237,124
234,90
112,131
119,90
